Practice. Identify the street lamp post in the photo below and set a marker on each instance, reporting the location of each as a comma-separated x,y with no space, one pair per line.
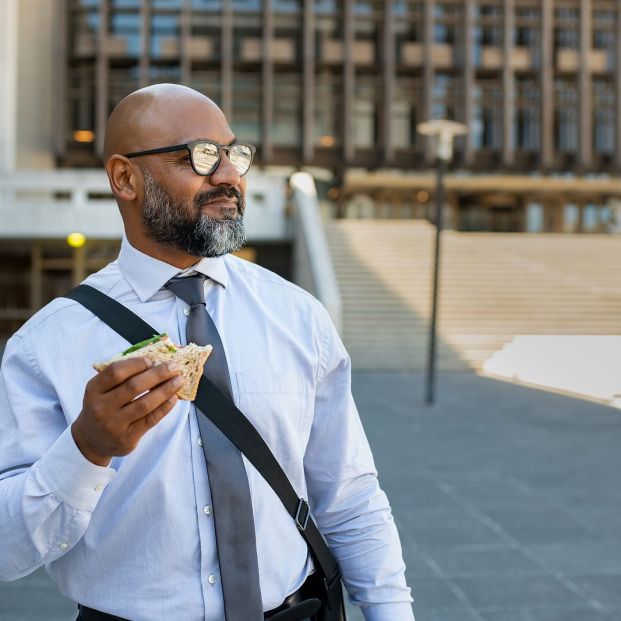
441,134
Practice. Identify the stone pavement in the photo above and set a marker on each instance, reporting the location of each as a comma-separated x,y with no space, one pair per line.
507,500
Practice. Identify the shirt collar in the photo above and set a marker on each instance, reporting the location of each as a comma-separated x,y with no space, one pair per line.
147,275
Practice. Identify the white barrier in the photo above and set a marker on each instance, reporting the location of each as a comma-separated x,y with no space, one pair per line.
312,268
587,365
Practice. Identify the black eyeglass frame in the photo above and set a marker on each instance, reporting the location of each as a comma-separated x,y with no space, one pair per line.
189,146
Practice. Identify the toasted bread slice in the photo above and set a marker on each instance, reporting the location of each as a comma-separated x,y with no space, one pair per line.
191,358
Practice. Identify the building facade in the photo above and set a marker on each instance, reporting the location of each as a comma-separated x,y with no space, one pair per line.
344,83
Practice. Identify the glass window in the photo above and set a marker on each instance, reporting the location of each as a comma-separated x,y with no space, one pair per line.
534,218
122,81
403,116
365,112
571,218
487,127
566,116
604,117
208,83
165,35
81,103
125,28
209,5
328,110
526,128
287,115
446,92
246,5
246,121
567,27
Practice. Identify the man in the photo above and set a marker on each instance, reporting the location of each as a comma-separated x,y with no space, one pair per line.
104,480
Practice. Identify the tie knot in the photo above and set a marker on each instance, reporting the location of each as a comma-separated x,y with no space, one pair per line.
189,288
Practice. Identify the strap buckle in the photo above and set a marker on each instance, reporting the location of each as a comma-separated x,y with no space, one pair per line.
302,515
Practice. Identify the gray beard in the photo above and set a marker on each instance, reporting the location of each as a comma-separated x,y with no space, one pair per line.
184,227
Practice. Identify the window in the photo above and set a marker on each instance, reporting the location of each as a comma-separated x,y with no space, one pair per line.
287,116
527,128
603,117
567,27
566,116
487,126
446,94
246,121
365,112
328,110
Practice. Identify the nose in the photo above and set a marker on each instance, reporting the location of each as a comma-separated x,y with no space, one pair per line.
226,173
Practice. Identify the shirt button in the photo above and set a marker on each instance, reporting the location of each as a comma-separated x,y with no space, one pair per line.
200,442
99,487
63,546
207,510
186,312
212,579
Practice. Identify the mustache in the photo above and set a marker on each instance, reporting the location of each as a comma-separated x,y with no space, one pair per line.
200,200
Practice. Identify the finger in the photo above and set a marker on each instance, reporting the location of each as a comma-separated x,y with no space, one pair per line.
142,425
138,384
149,402
119,371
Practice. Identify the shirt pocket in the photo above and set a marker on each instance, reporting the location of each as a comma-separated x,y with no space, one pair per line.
277,404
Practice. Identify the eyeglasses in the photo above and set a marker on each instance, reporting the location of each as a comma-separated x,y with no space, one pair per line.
206,155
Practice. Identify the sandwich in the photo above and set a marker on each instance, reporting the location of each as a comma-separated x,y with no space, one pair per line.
160,349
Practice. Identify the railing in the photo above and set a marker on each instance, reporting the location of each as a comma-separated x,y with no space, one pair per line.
312,268
50,204
54,203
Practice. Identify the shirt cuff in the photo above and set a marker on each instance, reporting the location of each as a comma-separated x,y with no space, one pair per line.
401,611
67,474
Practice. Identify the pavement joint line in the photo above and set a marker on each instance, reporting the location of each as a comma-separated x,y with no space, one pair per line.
546,499
503,534
459,593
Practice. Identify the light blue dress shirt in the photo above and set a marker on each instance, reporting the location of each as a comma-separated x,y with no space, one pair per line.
137,539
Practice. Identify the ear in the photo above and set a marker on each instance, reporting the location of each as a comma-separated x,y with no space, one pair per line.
123,179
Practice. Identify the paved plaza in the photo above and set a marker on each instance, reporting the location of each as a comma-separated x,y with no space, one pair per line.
507,499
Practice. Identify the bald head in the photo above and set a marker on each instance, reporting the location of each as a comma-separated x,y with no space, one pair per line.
158,115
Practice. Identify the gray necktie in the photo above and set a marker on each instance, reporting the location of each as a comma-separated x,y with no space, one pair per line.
234,522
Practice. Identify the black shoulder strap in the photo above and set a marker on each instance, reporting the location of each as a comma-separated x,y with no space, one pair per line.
225,415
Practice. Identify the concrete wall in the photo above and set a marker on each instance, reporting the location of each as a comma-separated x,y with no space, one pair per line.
36,65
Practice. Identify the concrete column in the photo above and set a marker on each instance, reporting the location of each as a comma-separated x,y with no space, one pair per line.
348,81
547,85
388,81
145,41
617,88
226,98
102,72
8,79
585,94
508,84
36,276
267,90
428,71
469,79
78,265
308,105
184,43
59,86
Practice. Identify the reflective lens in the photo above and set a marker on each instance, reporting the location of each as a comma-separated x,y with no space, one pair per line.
205,157
241,157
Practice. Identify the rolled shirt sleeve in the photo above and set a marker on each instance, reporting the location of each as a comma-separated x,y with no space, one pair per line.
48,489
347,502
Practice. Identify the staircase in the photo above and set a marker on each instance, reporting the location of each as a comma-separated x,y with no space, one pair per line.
493,287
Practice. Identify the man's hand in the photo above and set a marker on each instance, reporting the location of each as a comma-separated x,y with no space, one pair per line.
117,409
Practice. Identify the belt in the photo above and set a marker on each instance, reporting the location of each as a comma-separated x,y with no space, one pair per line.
298,605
